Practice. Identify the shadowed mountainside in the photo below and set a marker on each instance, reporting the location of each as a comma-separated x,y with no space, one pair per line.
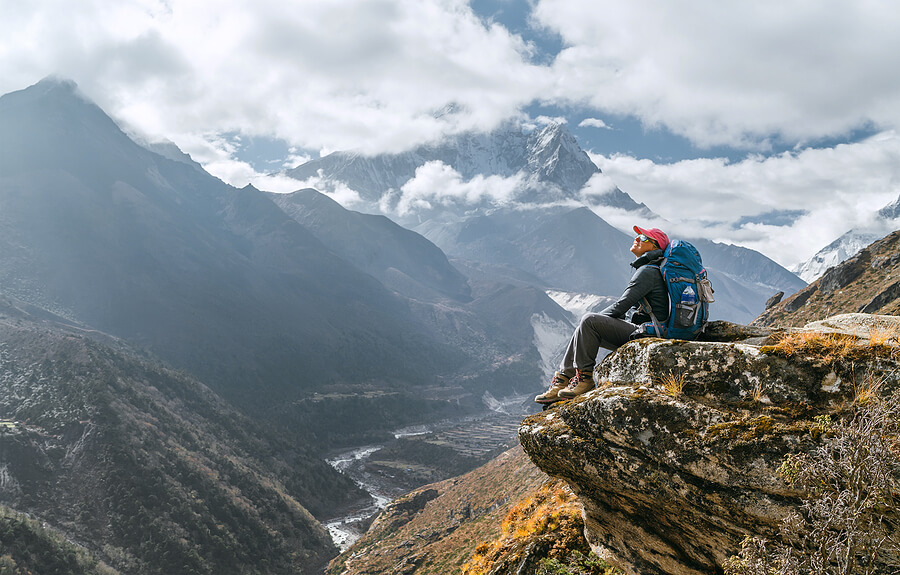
401,259
147,468
212,279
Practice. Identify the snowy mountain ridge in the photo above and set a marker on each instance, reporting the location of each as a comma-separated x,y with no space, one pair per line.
553,165
849,244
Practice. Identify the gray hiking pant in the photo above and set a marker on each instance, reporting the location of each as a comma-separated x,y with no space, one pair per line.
593,332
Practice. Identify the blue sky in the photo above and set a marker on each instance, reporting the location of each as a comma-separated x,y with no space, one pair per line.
776,120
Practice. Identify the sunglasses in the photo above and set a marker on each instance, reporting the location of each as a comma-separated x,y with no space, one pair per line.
646,238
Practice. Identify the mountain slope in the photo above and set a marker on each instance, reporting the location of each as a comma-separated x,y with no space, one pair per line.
850,243
29,547
147,468
500,326
866,283
215,280
437,528
399,258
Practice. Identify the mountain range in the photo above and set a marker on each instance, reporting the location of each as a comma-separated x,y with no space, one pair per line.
550,159
179,354
212,279
544,228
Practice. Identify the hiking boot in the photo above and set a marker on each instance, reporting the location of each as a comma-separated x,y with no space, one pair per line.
583,382
559,382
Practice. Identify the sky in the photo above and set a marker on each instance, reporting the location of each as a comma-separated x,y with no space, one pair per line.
769,124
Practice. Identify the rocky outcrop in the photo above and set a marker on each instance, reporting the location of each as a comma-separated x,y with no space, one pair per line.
672,480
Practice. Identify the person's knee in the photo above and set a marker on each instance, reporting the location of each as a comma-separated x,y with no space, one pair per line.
589,319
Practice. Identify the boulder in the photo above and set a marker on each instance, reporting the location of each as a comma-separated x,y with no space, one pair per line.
774,299
858,325
882,298
672,480
726,331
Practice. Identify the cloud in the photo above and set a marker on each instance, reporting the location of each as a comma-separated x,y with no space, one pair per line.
372,75
829,190
437,184
594,123
728,73
361,74
336,190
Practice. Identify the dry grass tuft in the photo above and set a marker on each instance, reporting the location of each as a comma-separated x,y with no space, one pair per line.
829,346
759,390
672,383
886,339
884,335
868,390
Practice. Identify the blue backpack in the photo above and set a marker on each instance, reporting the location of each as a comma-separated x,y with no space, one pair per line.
690,294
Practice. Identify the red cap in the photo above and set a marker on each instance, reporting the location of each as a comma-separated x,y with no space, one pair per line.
657,234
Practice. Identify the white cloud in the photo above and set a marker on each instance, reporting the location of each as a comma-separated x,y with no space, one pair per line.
437,184
336,190
363,74
372,75
836,188
732,73
593,123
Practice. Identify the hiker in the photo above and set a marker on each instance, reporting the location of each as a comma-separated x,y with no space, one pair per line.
609,328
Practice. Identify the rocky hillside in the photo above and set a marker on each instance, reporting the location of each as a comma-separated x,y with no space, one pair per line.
869,282
147,469
675,457
436,529
28,547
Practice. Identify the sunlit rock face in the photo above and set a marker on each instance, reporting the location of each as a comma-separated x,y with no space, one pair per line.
671,482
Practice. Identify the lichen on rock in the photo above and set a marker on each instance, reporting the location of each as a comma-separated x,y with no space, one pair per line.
672,483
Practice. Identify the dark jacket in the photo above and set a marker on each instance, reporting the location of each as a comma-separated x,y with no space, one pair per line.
647,281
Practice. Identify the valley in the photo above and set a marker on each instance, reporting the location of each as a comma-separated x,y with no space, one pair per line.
417,456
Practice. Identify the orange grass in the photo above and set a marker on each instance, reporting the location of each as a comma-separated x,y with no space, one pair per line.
672,383
552,511
829,346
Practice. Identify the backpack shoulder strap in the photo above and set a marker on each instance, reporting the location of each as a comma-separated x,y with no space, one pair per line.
656,324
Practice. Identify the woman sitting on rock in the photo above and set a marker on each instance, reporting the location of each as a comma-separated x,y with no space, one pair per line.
609,329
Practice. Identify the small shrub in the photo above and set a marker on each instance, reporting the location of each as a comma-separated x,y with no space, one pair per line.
577,564
847,520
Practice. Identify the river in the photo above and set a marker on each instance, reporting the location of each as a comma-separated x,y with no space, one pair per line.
488,431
